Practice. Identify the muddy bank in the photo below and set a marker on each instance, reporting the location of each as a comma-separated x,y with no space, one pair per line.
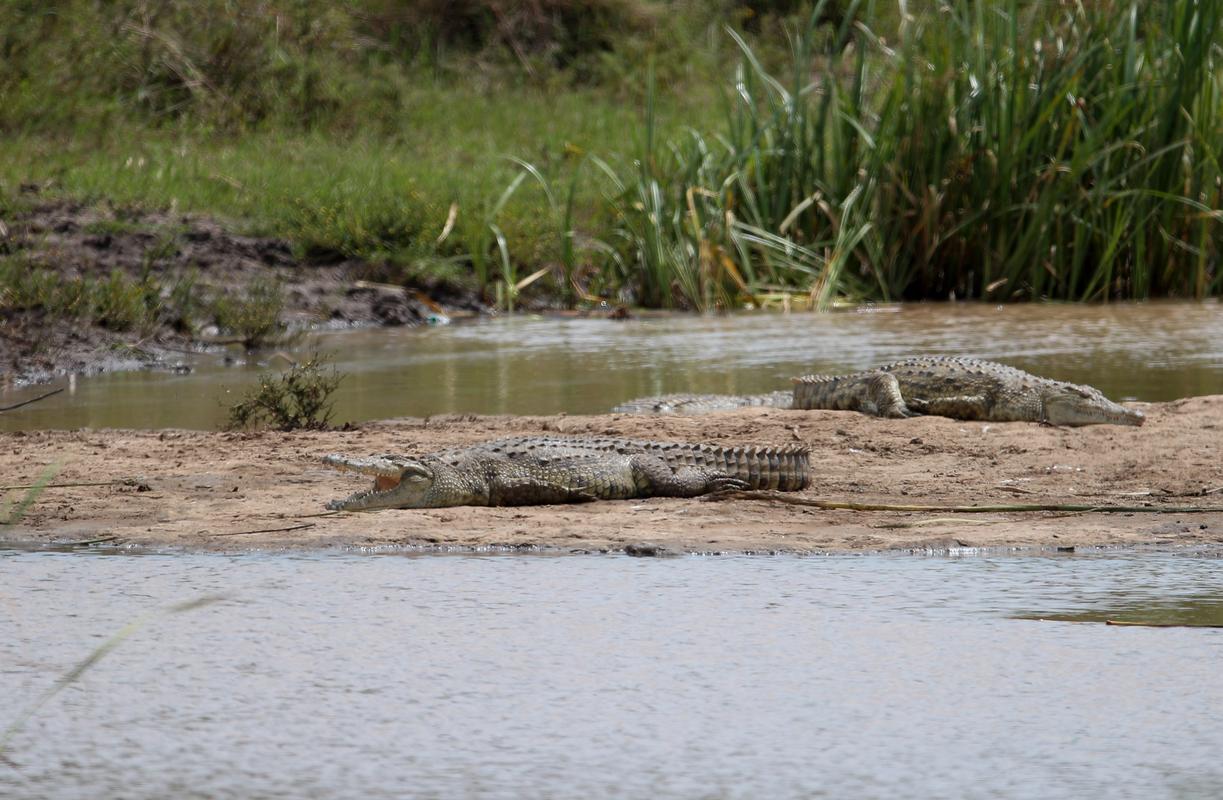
233,491
76,241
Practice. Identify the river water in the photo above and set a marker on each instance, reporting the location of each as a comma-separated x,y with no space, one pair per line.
491,676
531,365
393,676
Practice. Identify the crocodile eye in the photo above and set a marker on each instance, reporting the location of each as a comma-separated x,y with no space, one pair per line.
416,472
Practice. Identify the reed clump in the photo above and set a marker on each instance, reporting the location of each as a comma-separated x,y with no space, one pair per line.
986,150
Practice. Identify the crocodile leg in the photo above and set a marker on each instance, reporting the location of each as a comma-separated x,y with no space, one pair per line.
655,477
883,397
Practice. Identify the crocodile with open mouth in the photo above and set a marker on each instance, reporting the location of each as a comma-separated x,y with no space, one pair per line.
537,470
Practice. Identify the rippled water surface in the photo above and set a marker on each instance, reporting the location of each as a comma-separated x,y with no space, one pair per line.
523,365
494,676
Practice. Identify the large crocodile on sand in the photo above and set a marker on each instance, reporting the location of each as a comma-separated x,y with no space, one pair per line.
961,388
554,469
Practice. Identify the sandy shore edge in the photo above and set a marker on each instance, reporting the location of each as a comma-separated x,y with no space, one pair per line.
266,491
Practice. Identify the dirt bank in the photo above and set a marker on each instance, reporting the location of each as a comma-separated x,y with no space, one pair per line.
77,241
242,491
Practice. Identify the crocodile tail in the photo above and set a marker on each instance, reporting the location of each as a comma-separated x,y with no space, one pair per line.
792,466
786,469
815,391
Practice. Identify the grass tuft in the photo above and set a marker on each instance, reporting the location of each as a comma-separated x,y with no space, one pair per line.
253,316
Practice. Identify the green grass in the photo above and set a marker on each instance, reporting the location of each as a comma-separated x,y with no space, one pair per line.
144,304
377,130
117,301
382,198
252,315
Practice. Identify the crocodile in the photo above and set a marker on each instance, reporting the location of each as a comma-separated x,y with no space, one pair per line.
702,403
962,388
554,469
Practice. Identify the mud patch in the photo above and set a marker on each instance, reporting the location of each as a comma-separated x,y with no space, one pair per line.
80,241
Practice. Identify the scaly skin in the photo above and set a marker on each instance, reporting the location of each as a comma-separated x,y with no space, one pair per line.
553,469
962,388
702,403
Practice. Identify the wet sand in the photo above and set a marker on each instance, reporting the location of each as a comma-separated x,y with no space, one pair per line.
243,491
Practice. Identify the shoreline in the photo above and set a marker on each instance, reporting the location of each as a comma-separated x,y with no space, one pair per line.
261,491
631,550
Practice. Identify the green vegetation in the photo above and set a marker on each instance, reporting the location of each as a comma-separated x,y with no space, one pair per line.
116,302
997,150
141,304
298,399
254,317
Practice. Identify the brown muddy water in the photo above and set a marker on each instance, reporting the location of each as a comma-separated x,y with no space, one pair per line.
399,676
532,365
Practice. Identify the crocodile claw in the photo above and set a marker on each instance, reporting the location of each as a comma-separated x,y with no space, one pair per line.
726,483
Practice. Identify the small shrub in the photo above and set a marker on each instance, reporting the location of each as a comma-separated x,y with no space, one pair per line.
299,399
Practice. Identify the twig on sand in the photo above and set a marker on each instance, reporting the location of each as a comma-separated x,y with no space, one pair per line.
1158,624
31,400
921,523
120,482
266,530
14,510
829,505
99,540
